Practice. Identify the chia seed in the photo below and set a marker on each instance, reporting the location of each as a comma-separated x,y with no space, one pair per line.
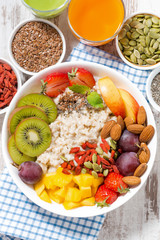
155,89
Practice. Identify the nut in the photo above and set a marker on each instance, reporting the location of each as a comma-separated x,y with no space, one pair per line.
147,134
121,122
135,128
140,170
107,128
144,154
115,132
132,181
128,121
141,115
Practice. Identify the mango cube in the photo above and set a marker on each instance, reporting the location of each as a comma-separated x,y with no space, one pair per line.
61,192
61,179
39,187
54,197
73,195
44,196
97,181
70,205
88,202
48,179
84,180
85,192
94,190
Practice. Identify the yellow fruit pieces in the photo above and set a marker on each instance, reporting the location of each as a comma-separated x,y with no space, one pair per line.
71,190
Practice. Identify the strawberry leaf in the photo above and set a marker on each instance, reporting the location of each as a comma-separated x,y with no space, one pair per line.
95,100
79,88
103,203
122,190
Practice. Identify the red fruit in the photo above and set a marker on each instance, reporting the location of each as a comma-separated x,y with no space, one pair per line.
81,76
55,84
114,182
105,196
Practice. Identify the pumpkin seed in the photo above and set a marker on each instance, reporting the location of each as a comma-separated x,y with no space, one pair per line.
140,16
140,48
94,158
153,35
83,170
96,167
155,57
132,43
122,34
136,53
151,49
144,22
154,30
126,47
147,16
140,61
133,58
157,60
135,35
148,39
140,26
127,53
130,49
156,45
88,165
124,41
120,46
158,39
157,52
155,20
99,150
143,42
155,26
64,158
146,30
133,23
126,27
140,31
106,157
149,22
150,61
94,174
147,52
128,35
128,58
152,42
143,56
105,172
129,21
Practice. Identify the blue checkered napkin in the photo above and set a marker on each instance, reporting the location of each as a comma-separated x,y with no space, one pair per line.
22,218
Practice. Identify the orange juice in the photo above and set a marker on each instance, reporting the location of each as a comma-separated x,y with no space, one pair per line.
96,20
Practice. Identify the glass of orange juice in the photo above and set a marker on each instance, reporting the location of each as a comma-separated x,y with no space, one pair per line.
95,22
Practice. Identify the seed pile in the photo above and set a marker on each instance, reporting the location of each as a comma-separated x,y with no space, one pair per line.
37,46
139,40
155,89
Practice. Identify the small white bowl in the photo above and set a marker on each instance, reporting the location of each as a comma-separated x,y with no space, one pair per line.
19,81
144,67
148,89
17,29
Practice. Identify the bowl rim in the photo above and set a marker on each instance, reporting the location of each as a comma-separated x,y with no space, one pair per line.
145,67
84,40
148,88
19,80
45,11
25,188
16,29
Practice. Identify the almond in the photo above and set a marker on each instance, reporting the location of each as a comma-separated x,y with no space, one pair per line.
128,121
140,170
120,121
141,115
132,181
144,155
115,132
105,132
135,128
147,134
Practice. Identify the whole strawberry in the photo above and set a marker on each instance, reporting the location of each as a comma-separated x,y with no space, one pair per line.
104,196
81,76
114,182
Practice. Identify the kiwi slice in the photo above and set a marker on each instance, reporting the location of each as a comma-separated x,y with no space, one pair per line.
18,114
42,101
17,156
32,136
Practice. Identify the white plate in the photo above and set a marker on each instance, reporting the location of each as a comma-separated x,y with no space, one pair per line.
33,85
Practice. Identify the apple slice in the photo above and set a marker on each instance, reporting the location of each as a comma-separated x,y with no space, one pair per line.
131,105
111,96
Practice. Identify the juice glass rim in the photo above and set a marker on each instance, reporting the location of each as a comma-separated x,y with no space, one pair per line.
101,41
45,11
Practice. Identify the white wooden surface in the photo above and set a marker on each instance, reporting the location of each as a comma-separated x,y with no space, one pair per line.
139,219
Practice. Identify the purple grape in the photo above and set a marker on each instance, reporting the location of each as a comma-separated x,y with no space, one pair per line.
127,163
128,142
30,172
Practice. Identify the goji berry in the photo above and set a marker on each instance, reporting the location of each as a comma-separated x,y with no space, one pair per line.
106,144
65,171
75,150
104,148
64,165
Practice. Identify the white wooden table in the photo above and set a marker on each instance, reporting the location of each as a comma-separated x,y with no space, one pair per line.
138,219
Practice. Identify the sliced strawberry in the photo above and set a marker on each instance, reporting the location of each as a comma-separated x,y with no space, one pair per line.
105,196
82,75
56,83
114,182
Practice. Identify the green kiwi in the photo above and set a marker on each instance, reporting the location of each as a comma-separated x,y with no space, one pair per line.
17,156
42,101
18,114
32,136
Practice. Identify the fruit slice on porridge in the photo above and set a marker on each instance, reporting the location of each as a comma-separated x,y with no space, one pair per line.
95,147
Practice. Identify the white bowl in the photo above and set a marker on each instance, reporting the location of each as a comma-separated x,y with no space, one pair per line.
148,88
33,85
19,81
17,29
144,67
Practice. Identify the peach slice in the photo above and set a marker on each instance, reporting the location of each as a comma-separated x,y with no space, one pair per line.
131,105
111,96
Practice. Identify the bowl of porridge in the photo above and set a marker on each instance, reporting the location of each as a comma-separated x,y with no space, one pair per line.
76,147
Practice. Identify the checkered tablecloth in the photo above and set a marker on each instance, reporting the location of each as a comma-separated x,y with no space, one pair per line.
19,217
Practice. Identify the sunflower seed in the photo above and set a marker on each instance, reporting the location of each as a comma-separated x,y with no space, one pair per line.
151,49
155,57
148,39
128,35
152,42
